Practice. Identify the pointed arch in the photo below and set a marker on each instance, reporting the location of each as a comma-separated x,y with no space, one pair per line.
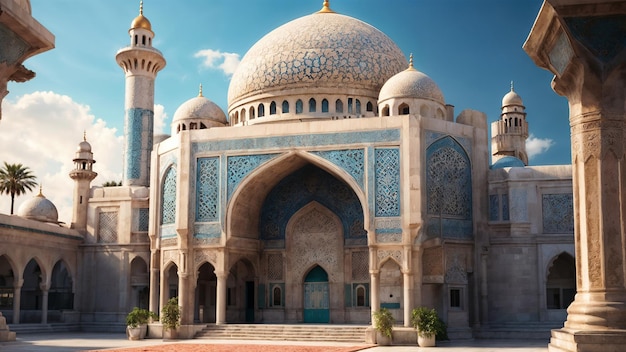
168,196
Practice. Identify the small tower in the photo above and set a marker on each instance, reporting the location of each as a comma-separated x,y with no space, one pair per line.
509,134
141,63
82,175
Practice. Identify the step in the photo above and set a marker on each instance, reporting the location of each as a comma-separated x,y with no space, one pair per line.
300,332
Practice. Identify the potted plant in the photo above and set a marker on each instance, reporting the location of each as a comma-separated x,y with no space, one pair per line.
428,326
137,323
170,318
383,323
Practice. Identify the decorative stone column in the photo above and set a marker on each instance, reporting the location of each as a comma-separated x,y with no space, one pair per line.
581,42
44,303
408,297
220,301
374,294
17,299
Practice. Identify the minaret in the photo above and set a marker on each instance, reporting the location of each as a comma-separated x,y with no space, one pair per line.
509,134
141,63
82,175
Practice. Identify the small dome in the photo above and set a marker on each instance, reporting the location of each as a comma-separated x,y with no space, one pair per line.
507,161
39,208
411,83
199,108
141,21
83,146
512,98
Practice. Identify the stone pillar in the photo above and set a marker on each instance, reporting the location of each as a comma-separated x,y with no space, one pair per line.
408,297
44,303
374,294
484,289
154,290
17,301
581,42
185,300
220,302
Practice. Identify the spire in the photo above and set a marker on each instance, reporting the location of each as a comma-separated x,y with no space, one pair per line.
326,8
40,191
200,91
85,135
411,68
141,8
512,86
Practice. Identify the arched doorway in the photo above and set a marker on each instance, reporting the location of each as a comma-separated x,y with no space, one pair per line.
6,287
139,280
171,282
561,283
206,288
240,292
31,300
61,295
316,296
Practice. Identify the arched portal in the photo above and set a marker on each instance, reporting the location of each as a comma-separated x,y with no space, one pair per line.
561,282
240,292
206,288
31,300
140,284
61,295
7,278
171,281
316,296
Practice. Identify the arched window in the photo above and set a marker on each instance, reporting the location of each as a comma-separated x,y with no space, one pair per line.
273,108
285,107
360,296
236,120
252,116
299,106
369,106
312,105
168,197
277,296
386,110
403,109
358,107
339,106
349,105
143,40
243,115
324,105
262,110
136,36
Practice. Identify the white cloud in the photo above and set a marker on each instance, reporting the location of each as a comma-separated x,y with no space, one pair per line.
159,120
536,146
227,62
41,130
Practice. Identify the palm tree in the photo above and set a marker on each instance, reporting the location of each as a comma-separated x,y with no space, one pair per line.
16,179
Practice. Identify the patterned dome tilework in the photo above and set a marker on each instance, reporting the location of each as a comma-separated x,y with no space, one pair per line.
411,84
319,51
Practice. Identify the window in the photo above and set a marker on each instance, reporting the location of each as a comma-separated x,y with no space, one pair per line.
358,107
273,108
277,296
299,106
369,106
312,105
262,110
324,105
360,296
455,298
386,110
403,109
339,106
349,105
285,107
252,113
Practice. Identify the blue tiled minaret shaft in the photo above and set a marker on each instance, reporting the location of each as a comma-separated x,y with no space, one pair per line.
141,63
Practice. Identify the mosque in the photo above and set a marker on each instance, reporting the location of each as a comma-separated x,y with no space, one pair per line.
338,182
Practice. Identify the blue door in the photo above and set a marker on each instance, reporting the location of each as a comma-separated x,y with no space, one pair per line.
316,300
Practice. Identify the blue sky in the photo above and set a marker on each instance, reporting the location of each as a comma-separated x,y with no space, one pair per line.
472,49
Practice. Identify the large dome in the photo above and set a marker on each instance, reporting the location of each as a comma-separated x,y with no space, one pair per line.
39,208
324,53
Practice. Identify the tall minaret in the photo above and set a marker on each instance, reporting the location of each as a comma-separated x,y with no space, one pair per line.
141,63
82,175
509,134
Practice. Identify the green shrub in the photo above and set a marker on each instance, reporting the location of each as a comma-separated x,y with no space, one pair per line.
427,323
383,321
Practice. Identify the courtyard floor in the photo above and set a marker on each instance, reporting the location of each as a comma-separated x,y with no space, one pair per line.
67,342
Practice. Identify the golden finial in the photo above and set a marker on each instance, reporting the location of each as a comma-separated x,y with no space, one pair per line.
40,191
141,7
411,68
326,8
200,91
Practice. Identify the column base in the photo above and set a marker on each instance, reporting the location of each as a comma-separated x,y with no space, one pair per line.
565,340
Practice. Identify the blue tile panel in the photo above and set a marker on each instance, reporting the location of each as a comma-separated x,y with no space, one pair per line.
298,141
207,189
213,230
387,183
494,207
168,197
558,213
137,122
351,160
298,189
448,190
144,214
240,166
505,207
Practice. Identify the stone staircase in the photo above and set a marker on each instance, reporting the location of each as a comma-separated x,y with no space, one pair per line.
295,332
537,330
